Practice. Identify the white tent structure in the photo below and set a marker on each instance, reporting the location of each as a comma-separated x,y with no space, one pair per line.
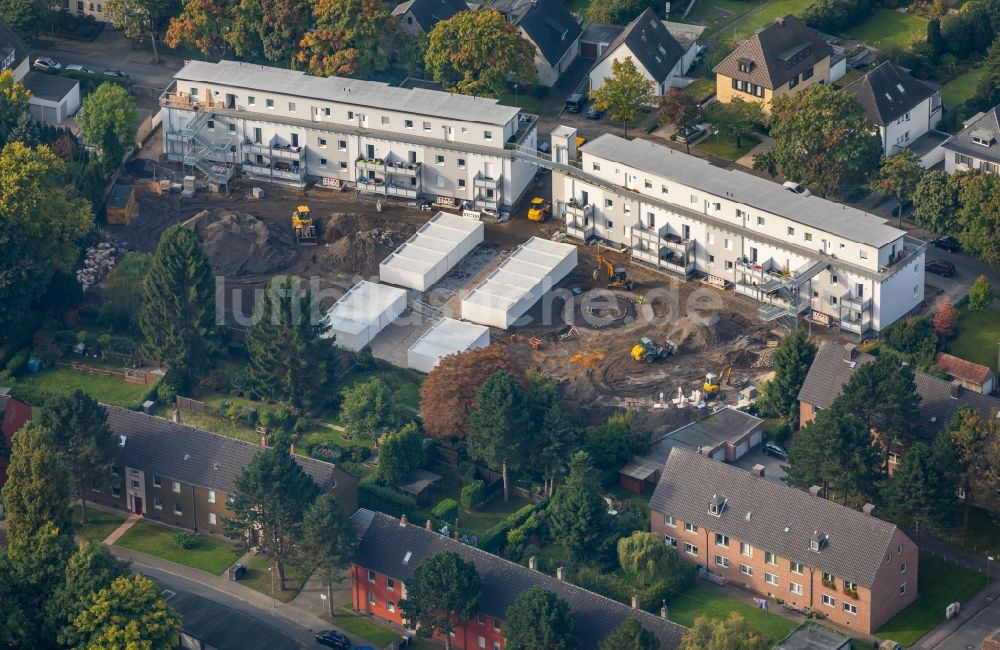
447,336
426,257
363,312
535,267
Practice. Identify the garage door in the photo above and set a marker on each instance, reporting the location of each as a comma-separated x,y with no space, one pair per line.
588,50
741,449
719,455
755,438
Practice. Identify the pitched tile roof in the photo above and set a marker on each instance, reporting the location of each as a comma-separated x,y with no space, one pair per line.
773,517
961,369
985,127
769,49
653,46
548,23
427,13
15,414
888,91
829,372
396,550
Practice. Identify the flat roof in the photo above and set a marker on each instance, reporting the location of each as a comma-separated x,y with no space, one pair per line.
520,273
814,637
363,305
448,336
49,87
359,92
834,218
726,424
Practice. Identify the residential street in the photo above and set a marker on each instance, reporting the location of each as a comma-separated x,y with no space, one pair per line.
979,618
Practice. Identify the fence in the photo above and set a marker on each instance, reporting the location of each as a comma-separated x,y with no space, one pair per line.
192,406
127,375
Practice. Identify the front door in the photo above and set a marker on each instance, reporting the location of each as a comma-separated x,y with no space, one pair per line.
137,505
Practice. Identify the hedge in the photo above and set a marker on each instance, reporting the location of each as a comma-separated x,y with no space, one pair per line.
472,494
385,499
446,509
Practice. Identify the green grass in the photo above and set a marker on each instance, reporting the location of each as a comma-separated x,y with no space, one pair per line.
524,98
701,89
104,389
983,536
701,601
213,424
208,554
577,6
367,627
941,582
724,146
978,333
962,87
479,521
101,523
258,578
405,384
888,27
746,26
849,78
707,12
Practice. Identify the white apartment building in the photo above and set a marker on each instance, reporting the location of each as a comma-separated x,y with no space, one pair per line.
287,127
681,214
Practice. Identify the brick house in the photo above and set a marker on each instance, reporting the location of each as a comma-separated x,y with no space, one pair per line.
13,415
850,567
391,549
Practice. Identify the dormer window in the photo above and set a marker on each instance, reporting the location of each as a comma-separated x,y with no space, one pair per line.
817,541
983,138
716,505
745,65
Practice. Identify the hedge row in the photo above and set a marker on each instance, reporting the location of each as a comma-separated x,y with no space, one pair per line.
384,499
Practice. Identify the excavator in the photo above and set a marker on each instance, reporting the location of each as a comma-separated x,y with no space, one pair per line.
649,351
305,230
714,382
617,276
538,209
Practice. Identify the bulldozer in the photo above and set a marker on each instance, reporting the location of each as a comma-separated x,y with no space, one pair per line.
305,230
649,351
617,275
539,209
714,382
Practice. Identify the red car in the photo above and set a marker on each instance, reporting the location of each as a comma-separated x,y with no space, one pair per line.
941,267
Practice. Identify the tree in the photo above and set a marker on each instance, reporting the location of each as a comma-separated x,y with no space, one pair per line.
130,613
680,109
289,360
630,635
919,490
615,441
975,450
624,93
614,12
478,53
26,16
269,502
200,24
792,360
448,394
90,569
980,294
37,562
497,426
539,620
37,491
349,38
643,556
401,452
945,318
271,30
822,138
108,122
444,591
14,98
935,202
978,218
20,269
553,437
369,409
914,338
899,175
328,543
124,287
79,429
716,634
178,316
735,118
136,18
577,513
988,91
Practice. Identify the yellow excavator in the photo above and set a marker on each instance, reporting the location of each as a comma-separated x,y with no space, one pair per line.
617,275
539,209
649,351
714,382
305,230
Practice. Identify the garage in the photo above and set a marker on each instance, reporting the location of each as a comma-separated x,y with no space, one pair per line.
510,291
363,312
447,336
435,249
755,438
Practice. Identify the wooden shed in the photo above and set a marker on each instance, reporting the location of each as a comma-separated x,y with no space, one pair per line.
121,204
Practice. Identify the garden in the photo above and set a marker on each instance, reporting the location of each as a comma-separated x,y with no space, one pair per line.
961,88
201,552
977,336
711,602
889,27
724,146
101,524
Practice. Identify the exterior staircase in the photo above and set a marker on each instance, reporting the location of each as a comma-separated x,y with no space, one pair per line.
198,149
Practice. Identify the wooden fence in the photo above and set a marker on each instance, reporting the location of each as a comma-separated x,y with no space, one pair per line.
127,375
193,406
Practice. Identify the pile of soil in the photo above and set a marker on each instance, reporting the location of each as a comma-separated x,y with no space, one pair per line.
357,245
692,336
239,244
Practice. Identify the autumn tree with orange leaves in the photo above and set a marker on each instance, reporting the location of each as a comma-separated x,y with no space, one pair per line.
351,38
200,24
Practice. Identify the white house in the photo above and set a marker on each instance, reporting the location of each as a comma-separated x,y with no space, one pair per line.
53,98
652,48
550,27
976,146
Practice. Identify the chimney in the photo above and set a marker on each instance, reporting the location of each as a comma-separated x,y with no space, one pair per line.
955,389
533,563
177,416
263,441
758,470
868,509
816,491
635,601
561,573
663,611
403,520
454,535
705,450
849,350
291,448
428,525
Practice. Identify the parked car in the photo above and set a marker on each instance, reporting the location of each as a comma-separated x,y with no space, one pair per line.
940,267
575,102
948,243
776,450
690,133
594,113
76,67
792,186
333,639
45,64
113,72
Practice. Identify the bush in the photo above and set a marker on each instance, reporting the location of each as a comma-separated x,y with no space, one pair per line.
17,362
980,294
835,16
184,540
777,432
495,538
473,494
467,470
446,509
914,338
385,499
30,394
358,454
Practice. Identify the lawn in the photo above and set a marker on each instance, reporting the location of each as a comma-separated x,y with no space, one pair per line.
101,523
405,384
479,521
258,578
702,601
104,389
707,12
962,87
371,629
701,89
747,26
724,146
888,27
941,583
208,554
524,98
983,536
978,333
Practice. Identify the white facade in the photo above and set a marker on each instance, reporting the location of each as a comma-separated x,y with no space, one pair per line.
86,8
425,258
602,70
363,312
510,291
447,336
798,255
902,132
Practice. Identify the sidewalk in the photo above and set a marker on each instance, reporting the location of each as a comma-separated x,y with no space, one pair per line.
117,533
979,617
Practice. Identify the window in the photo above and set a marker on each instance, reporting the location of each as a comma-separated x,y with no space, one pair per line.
322,143
269,103
771,579
648,184
343,167
711,239
902,567
156,480
807,73
176,487
390,606
770,558
670,541
746,570
390,584
795,567
745,65
833,301
760,221
322,162
902,589
177,509
496,625
461,182
461,163
793,82
899,549
371,576
850,586
408,124
728,243
746,549
479,619
729,265
694,199
439,181
487,135
291,107
116,491
791,231
664,190
961,159
691,528
864,254
427,126
385,120
481,642
690,549
341,144
135,484
851,609
371,599
326,111
211,496
609,223
439,160
232,127
251,101
158,503
829,600
722,561
722,540
711,260
210,125
350,115
211,518
608,203
795,588
596,166
807,236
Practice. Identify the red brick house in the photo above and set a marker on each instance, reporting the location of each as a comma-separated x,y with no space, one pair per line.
849,567
14,415
391,549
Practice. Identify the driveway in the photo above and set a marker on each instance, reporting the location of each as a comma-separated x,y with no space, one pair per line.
772,465
967,269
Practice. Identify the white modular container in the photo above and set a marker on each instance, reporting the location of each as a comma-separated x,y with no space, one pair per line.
425,258
510,291
363,312
447,336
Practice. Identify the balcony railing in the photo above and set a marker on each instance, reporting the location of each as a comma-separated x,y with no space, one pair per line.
576,229
283,152
400,190
852,325
485,181
487,204
856,303
578,210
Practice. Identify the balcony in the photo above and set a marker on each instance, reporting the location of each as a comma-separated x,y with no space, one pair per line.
485,182
645,255
173,98
647,236
372,165
911,248
274,150
280,170
852,325
402,169
487,204
579,210
400,190
856,303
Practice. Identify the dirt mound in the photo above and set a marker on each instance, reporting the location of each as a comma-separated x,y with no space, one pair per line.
711,332
240,244
356,244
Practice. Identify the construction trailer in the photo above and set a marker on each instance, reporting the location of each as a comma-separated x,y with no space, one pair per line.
363,312
435,249
447,336
121,207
